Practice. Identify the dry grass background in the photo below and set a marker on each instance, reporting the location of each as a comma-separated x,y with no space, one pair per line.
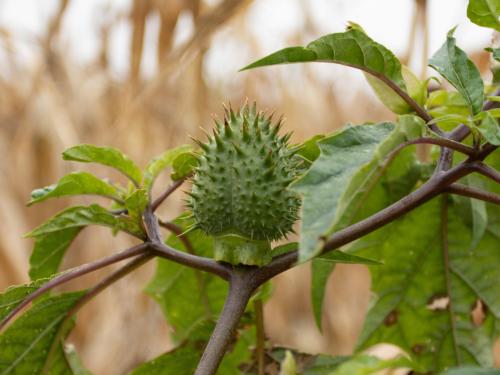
56,103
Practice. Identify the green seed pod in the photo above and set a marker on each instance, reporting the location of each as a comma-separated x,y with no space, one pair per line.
239,194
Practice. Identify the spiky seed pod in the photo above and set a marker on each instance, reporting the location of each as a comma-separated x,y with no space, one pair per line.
239,194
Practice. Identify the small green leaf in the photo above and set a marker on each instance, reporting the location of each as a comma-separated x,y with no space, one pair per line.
352,48
14,295
74,184
105,156
80,216
26,344
180,361
183,165
136,203
490,129
285,248
454,65
343,257
49,251
161,162
310,149
416,89
484,13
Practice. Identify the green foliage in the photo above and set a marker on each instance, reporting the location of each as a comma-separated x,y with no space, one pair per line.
484,13
471,371
27,344
490,129
49,251
454,65
183,165
426,289
80,216
14,295
74,184
105,156
180,361
367,365
165,160
495,52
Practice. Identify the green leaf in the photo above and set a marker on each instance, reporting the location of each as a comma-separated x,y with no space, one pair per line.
490,129
14,295
454,65
183,165
422,287
136,203
49,251
26,343
340,176
484,13
288,365
180,361
416,89
189,298
471,371
74,184
80,216
352,48
366,365
159,163
105,156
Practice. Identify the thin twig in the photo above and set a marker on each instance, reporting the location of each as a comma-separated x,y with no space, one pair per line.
190,260
73,274
471,192
487,171
158,201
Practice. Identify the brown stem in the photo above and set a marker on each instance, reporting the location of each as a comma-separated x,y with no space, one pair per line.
158,201
241,287
487,171
73,274
471,192
190,260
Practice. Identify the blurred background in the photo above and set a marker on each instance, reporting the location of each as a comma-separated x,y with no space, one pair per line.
142,76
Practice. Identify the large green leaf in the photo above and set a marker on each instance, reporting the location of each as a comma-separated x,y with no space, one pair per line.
352,48
484,13
106,156
161,162
454,65
49,251
80,216
74,184
363,364
26,344
425,291
189,298
180,361
340,176
479,212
